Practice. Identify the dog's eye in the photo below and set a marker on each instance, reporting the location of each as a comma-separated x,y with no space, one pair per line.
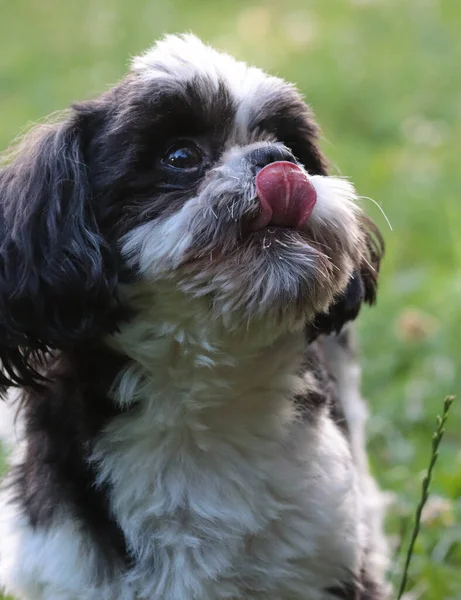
183,155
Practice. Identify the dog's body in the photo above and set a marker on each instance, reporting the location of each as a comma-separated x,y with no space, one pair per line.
199,433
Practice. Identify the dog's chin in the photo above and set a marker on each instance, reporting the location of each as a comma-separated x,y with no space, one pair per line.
277,278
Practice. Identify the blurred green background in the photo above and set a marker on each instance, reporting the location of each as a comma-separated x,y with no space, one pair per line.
384,78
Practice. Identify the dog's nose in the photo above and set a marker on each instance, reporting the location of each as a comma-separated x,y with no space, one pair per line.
265,155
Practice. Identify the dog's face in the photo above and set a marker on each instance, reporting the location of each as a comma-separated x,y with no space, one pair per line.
195,174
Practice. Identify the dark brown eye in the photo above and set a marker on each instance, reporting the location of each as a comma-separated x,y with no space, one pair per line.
183,155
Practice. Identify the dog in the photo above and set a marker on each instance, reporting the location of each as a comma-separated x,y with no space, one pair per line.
177,275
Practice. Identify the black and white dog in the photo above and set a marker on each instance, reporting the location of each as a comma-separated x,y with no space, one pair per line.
176,267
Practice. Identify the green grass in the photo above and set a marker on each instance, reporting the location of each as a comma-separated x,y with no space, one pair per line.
384,79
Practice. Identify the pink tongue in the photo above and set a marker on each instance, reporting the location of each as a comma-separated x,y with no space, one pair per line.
286,195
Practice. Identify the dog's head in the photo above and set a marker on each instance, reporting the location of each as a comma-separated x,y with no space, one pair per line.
196,177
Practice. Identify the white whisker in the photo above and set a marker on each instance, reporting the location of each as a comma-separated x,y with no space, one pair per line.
379,207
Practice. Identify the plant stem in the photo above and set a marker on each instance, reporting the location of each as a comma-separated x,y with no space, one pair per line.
436,439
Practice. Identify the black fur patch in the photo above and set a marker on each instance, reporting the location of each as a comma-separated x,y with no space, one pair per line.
61,422
131,128
347,591
344,309
362,287
326,394
287,117
363,588
58,274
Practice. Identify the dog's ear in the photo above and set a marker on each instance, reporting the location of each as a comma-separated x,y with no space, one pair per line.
362,287
57,272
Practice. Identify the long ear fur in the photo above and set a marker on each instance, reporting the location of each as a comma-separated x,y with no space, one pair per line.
362,287
57,273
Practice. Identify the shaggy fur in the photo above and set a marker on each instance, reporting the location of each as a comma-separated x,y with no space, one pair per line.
189,420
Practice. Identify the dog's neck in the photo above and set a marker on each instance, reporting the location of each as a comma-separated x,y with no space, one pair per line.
213,443
192,367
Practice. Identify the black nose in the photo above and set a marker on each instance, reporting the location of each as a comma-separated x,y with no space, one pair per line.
265,155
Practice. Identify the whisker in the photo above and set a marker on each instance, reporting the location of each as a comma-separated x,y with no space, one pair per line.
379,207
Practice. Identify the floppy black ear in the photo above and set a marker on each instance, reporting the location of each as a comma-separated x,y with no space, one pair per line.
57,272
362,287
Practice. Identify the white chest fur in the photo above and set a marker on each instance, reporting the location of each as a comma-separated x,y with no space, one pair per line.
221,489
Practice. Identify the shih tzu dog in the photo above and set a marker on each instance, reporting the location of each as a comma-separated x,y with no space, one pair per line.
176,273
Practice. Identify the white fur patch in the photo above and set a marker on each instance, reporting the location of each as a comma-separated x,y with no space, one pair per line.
184,57
220,489
160,247
336,202
54,563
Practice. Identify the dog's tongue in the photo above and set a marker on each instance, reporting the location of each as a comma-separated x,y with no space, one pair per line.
286,195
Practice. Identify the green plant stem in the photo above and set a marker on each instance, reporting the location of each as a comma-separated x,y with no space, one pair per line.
436,439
